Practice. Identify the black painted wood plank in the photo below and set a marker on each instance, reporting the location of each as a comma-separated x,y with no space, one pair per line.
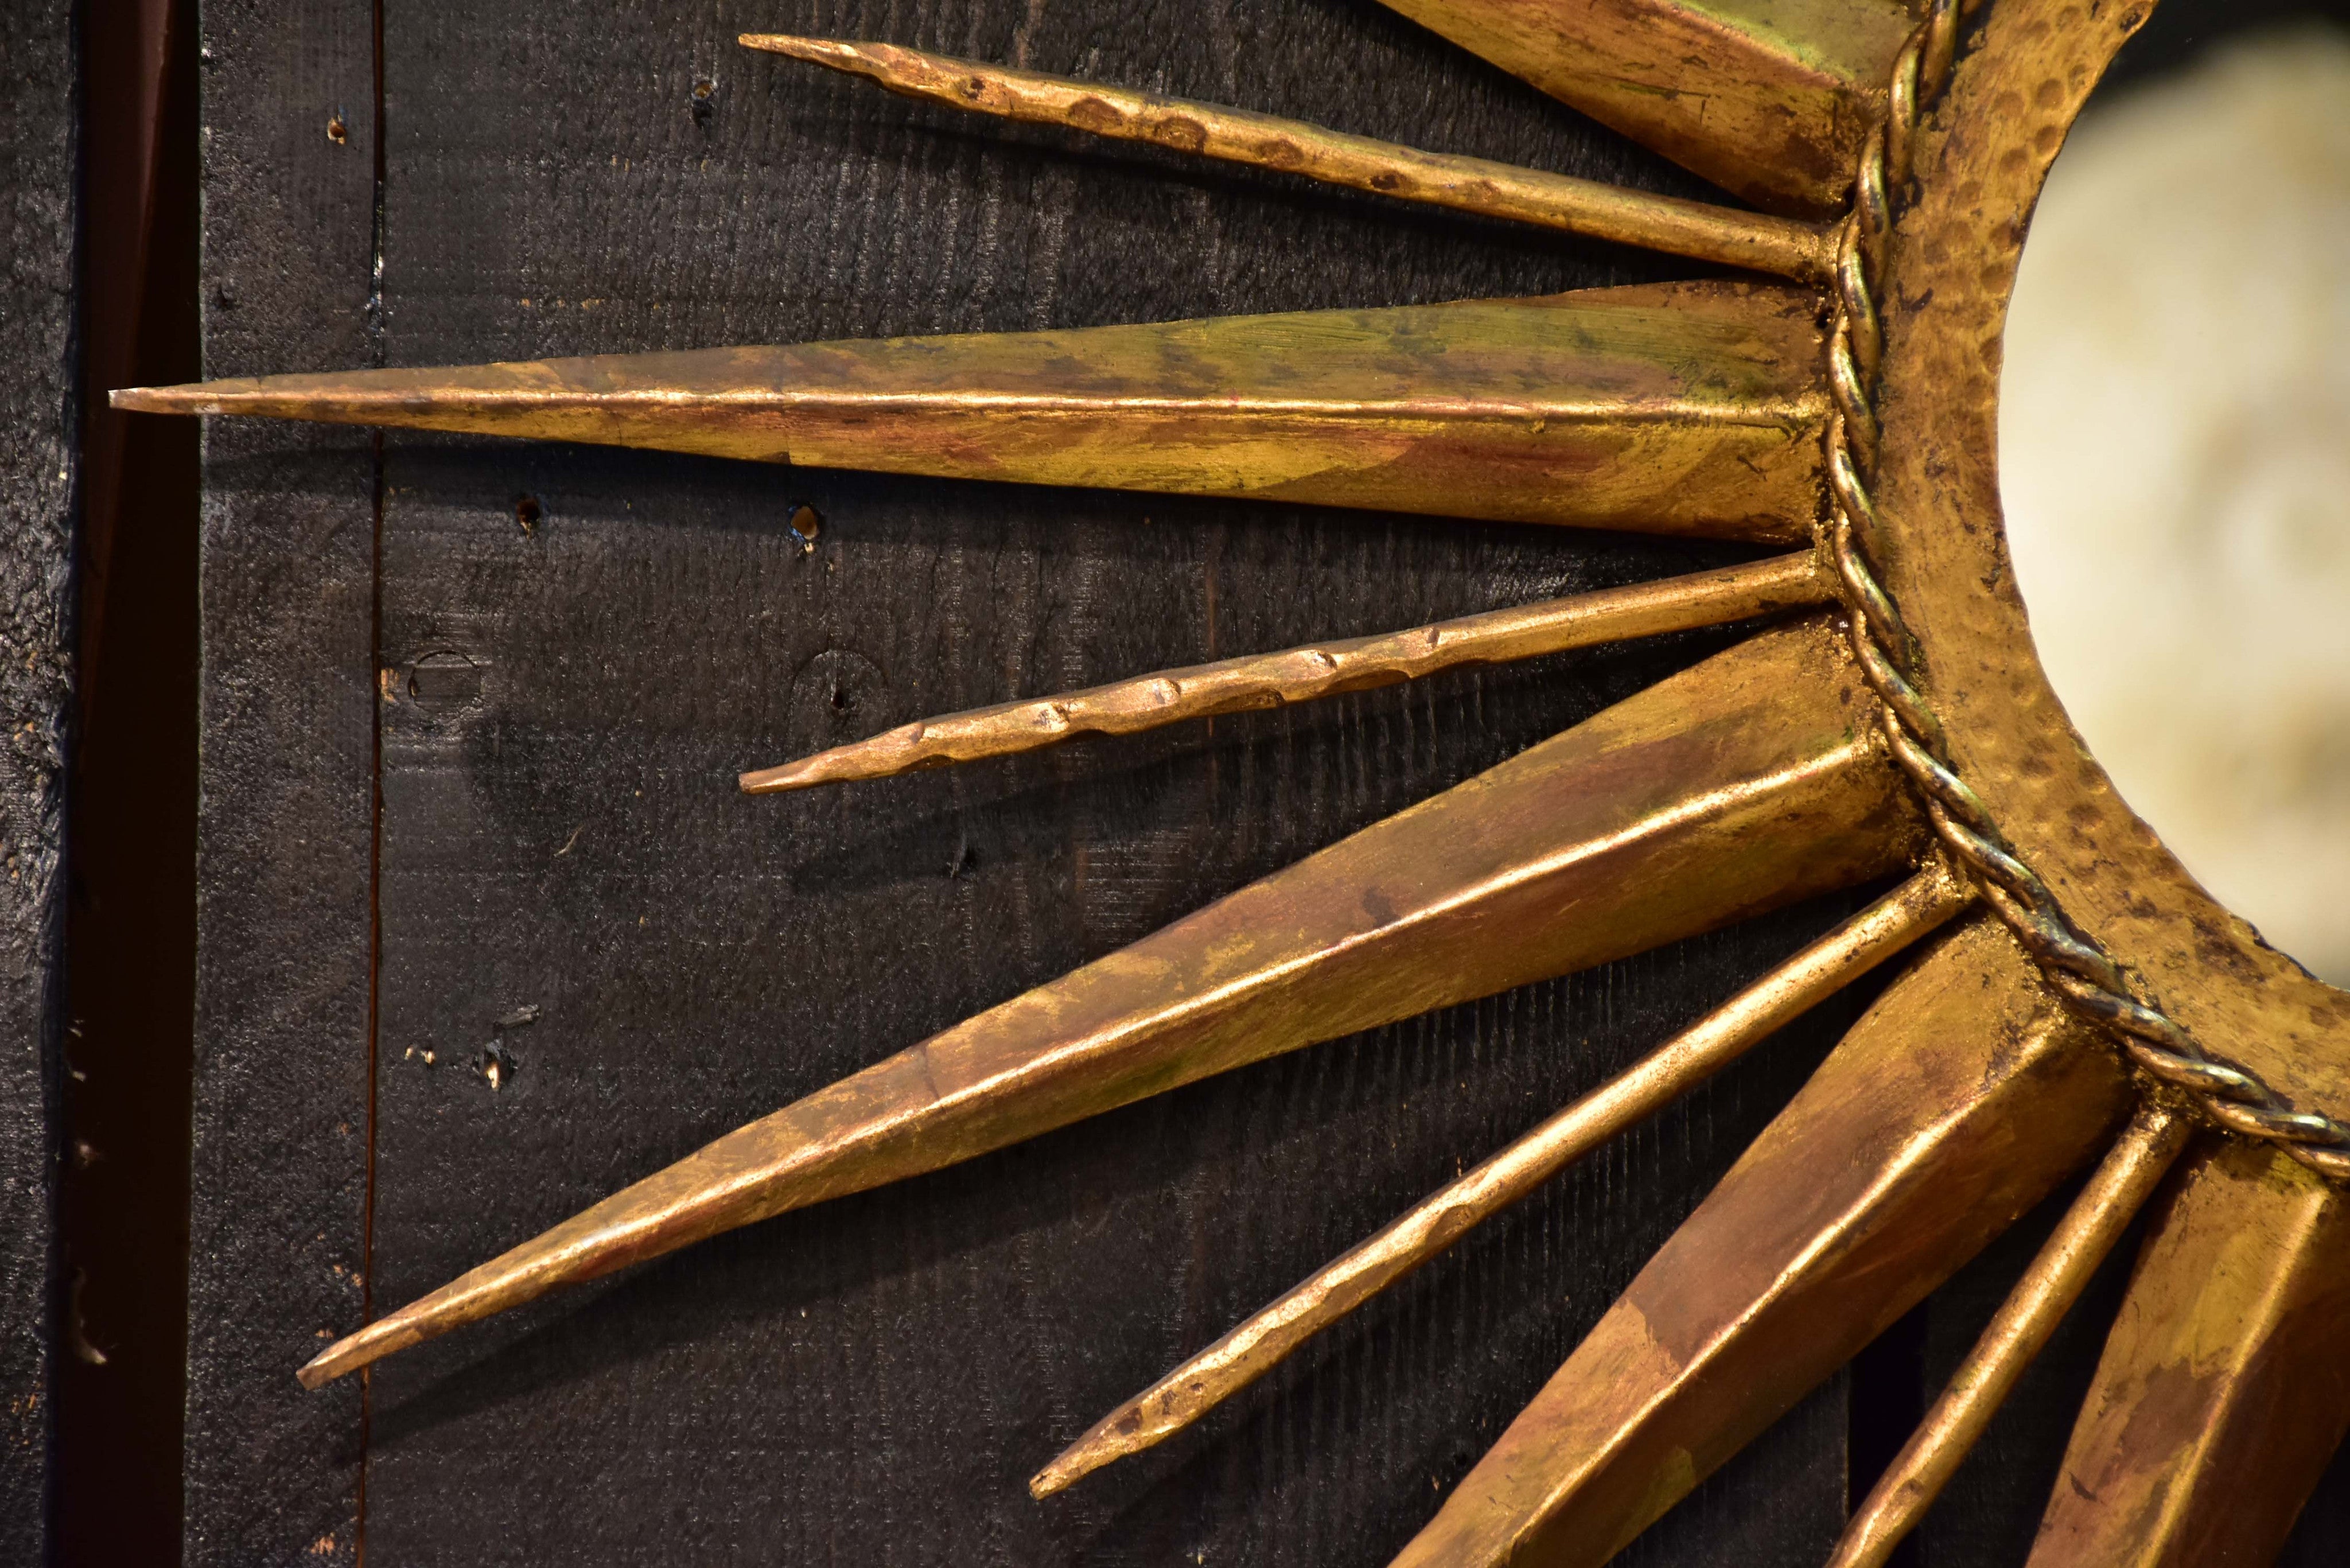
281,1092
37,428
872,1380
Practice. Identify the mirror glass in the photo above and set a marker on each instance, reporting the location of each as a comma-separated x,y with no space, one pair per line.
2175,458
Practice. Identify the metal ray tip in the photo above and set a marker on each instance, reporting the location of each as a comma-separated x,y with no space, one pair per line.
881,756
348,1354
823,51
800,774
194,398
1081,1458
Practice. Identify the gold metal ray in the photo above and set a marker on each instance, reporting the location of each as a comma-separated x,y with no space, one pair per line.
2124,1181
1912,912
1695,229
1745,783
1302,674
2225,1386
1675,409
1960,1101
1770,99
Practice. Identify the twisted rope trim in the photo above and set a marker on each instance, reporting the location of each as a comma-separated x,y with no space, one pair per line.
2089,981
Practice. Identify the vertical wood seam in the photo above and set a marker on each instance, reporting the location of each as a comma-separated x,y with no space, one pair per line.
375,332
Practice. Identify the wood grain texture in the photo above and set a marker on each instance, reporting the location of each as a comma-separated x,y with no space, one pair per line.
277,1220
38,454
562,843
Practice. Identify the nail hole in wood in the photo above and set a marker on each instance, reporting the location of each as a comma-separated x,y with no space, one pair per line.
808,523
444,682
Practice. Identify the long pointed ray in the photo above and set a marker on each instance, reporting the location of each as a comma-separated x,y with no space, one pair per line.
1768,99
1919,907
2123,1183
1748,782
1302,674
2225,1386
1962,1097
1490,189
1686,408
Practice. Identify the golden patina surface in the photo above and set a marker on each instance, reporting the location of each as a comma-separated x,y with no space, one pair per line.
1769,98
1943,558
1700,229
1326,670
1745,783
2225,1388
1673,409
2095,1222
1960,1101
1910,912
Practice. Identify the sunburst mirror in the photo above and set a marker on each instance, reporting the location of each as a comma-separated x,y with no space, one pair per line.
2062,1008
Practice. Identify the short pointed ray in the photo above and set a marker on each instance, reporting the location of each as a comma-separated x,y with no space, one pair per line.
1770,99
2225,1386
1677,409
1956,1104
1915,910
1746,782
1694,229
1302,674
2125,1179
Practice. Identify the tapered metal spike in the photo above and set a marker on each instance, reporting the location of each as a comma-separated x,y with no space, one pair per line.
1748,782
2225,1386
1958,1101
2062,1271
1490,190
1770,101
1915,910
1680,409
1301,674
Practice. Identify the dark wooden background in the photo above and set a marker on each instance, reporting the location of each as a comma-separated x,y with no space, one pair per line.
462,769
38,463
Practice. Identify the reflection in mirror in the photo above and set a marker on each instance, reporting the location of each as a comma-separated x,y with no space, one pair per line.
2175,462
